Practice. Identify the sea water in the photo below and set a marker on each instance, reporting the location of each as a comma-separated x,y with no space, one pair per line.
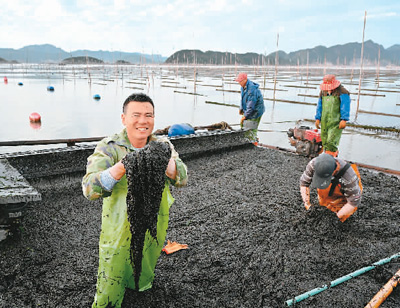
188,94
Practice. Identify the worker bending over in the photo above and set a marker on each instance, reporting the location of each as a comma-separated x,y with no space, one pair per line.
338,184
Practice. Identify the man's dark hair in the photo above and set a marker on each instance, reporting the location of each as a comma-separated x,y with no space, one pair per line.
137,97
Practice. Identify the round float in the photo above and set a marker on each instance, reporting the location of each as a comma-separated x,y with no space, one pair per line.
35,117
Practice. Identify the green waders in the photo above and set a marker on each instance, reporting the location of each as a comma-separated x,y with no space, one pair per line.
252,126
115,266
330,119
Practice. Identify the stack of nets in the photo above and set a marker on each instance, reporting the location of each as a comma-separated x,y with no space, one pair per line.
145,172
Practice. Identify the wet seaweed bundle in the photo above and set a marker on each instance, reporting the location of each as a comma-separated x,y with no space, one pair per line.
145,172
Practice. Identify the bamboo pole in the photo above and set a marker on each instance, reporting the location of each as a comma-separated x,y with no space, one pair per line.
368,127
265,72
371,94
384,292
377,69
352,66
298,67
135,88
382,90
211,85
289,101
222,104
223,90
303,87
190,93
308,60
276,62
136,82
380,113
175,87
361,67
194,75
308,95
88,71
282,90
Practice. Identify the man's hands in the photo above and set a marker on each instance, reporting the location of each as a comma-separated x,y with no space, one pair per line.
171,169
241,120
346,211
117,171
241,112
342,124
305,195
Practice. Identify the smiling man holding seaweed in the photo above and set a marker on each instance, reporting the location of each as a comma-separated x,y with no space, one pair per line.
132,171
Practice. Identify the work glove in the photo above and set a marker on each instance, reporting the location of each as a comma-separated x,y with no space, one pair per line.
171,169
342,124
241,120
305,195
241,111
317,123
173,247
346,211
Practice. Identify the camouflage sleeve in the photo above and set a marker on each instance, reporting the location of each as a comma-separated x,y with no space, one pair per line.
306,177
103,158
181,169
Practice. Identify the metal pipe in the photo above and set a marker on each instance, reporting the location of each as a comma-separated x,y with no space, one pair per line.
335,282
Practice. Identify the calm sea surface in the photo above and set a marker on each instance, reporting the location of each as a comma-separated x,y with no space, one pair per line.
70,111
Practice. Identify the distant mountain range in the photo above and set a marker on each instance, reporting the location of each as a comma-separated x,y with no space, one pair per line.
346,54
50,54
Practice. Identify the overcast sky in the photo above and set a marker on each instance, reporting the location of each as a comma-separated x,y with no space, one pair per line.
164,27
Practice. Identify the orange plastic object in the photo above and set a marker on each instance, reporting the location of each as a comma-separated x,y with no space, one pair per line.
173,247
334,154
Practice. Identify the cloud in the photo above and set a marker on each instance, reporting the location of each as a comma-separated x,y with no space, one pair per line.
48,11
219,5
119,4
167,26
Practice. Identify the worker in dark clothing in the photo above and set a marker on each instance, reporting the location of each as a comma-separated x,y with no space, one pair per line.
338,184
251,106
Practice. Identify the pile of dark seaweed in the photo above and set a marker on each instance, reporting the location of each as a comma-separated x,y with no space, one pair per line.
145,172
251,242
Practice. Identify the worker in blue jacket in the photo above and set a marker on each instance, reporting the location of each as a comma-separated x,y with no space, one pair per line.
333,111
252,106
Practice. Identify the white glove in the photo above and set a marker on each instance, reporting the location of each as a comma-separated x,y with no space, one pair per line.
305,195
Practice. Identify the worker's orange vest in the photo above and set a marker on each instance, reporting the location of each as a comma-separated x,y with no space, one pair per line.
336,201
